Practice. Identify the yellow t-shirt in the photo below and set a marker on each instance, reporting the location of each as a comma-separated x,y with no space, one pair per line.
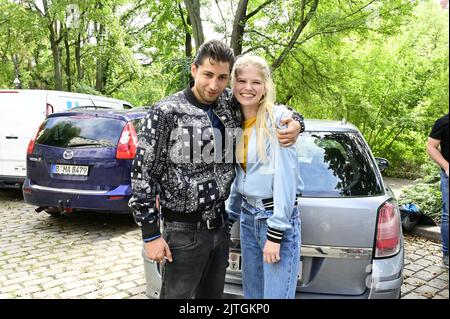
242,148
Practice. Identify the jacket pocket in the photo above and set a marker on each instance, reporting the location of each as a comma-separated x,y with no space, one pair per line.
208,193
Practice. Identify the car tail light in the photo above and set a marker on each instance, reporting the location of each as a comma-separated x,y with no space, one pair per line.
126,148
49,109
388,238
30,148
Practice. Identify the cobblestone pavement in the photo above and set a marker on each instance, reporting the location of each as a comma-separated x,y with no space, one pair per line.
79,256
99,256
424,275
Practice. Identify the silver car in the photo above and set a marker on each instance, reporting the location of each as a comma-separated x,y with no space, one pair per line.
352,241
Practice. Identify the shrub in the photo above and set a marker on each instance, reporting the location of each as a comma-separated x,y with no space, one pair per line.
425,193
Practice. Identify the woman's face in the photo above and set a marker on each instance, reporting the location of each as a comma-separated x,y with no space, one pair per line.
249,86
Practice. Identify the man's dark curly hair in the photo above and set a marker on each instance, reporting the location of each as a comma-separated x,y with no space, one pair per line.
216,51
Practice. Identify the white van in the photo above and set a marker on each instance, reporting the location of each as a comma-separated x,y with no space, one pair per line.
21,113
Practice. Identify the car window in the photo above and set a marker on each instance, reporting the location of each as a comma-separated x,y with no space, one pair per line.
81,131
336,164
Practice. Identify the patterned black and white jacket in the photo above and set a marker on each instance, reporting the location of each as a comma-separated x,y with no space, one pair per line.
174,160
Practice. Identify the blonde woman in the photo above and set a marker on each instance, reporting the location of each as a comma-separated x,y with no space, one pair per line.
263,195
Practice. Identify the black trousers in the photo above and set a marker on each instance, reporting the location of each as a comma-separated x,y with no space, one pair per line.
200,259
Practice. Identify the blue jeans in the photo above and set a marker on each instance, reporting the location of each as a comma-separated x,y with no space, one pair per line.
262,280
444,222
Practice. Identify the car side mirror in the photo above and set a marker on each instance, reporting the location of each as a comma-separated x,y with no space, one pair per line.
382,163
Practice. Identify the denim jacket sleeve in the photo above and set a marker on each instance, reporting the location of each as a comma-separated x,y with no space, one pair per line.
233,204
284,187
147,168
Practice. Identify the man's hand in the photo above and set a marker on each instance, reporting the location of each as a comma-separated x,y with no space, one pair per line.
271,252
157,250
289,135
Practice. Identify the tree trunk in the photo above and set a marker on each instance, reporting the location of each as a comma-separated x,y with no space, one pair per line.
238,27
54,47
56,53
99,74
78,58
67,68
188,44
240,20
16,63
188,37
193,9
78,44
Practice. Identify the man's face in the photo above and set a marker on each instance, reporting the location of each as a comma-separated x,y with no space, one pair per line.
210,78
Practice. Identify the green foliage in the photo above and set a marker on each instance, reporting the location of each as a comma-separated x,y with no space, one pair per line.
81,88
431,172
144,92
180,68
425,193
390,79
382,65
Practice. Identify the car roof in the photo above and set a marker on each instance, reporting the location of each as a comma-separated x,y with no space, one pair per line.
315,125
311,125
125,114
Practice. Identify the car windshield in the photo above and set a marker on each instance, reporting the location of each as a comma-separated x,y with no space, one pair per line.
80,131
336,164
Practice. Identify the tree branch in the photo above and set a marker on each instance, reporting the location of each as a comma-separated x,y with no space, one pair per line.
221,15
6,49
251,14
266,37
118,85
315,66
187,37
136,7
253,49
303,75
297,33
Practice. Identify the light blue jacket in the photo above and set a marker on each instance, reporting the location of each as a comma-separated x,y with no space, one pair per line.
278,178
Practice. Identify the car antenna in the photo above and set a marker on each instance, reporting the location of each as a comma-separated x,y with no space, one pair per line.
95,106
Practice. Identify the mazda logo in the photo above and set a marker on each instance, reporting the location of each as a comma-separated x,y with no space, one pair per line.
68,154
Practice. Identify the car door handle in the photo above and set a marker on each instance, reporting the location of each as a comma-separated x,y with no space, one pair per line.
11,137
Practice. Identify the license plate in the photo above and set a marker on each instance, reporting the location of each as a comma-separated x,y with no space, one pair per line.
235,264
77,170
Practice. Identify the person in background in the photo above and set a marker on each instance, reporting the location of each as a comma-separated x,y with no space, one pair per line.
263,195
439,138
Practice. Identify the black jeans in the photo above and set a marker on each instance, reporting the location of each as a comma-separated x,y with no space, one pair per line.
200,259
